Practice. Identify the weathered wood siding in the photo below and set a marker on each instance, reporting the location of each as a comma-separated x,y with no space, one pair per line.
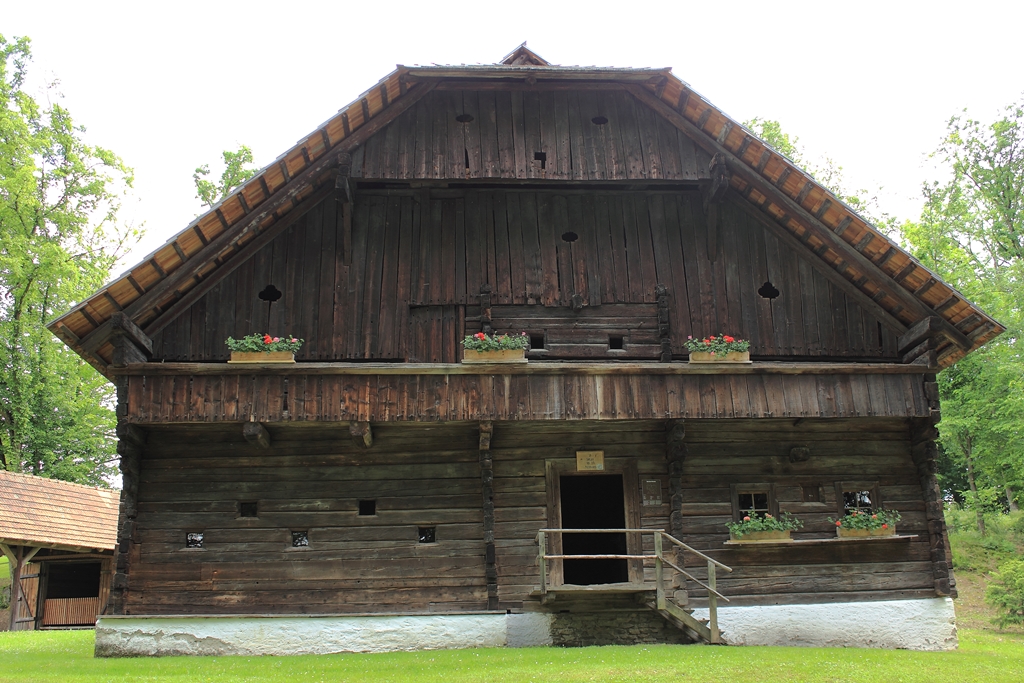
509,128
446,397
192,480
757,452
401,284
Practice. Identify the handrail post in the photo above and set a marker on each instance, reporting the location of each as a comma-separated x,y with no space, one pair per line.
542,551
713,605
659,570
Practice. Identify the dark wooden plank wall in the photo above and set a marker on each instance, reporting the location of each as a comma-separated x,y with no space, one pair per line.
192,480
387,398
752,452
418,260
520,452
509,129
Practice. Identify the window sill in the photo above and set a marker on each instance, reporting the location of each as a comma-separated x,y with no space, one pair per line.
823,541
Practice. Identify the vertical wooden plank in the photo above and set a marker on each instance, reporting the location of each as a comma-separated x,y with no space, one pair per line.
679,296
506,139
559,156
633,152
487,115
647,125
353,320
532,133
640,217
386,332
626,215
593,139
503,286
446,273
457,150
586,257
423,161
520,143
470,106
439,138
531,248
325,287
517,254
577,143
555,261
460,253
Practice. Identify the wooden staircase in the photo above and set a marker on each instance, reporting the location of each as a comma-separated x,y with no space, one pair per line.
699,630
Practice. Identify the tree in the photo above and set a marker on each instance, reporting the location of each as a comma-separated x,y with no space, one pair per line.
971,233
59,237
237,169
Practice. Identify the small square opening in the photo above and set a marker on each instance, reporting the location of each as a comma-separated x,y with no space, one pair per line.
194,540
300,539
428,534
247,510
857,501
616,342
367,508
812,494
536,342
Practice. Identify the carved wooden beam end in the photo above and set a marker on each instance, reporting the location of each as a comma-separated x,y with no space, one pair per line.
361,433
256,434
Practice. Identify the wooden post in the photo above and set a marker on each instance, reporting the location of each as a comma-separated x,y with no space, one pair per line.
487,488
542,550
716,636
659,570
14,557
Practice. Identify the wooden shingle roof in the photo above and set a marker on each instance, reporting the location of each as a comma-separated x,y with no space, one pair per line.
171,279
48,513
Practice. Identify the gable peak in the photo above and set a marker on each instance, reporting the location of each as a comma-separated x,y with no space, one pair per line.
524,56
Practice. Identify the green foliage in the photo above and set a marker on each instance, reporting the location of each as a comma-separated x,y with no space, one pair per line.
237,169
876,519
486,342
970,233
977,552
753,522
720,345
1006,593
59,238
264,343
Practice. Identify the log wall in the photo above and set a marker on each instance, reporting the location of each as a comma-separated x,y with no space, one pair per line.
193,479
402,280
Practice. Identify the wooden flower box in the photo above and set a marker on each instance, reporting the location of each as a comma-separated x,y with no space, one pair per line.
762,536
865,533
497,356
262,357
731,357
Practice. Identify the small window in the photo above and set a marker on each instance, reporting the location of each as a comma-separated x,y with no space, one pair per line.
616,342
247,510
300,539
428,534
536,342
759,498
194,540
857,496
367,508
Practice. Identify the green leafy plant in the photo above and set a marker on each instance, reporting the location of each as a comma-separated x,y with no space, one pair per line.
875,519
717,346
1006,593
487,342
752,522
264,343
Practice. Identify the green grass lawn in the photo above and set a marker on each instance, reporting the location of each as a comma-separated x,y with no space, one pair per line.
66,656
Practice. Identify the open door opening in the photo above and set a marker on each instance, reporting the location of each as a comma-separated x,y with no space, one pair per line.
593,502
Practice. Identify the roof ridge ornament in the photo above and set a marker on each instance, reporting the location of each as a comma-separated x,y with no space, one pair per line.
523,56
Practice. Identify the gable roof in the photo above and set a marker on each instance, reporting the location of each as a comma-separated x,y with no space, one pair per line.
41,512
177,274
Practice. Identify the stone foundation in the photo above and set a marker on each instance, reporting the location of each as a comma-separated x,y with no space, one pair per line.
622,627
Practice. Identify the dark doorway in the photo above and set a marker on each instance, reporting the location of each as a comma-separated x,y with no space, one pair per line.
73,580
593,502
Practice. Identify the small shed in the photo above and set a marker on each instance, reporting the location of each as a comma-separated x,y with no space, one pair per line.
59,538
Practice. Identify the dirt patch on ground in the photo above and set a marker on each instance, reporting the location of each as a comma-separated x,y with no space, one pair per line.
971,610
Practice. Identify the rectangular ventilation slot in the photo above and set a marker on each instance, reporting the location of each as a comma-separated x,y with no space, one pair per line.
536,342
194,540
542,157
367,508
616,342
247,510
428,534
300,539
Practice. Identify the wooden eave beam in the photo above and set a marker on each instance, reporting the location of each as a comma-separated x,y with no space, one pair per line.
820,230
280,199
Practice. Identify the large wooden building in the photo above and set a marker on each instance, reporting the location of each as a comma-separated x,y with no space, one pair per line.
379,494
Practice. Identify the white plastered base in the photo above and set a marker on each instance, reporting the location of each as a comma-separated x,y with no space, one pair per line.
925,624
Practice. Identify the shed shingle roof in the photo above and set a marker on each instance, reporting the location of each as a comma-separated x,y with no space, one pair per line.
36,511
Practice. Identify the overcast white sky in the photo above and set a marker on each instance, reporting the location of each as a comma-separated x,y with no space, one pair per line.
169,85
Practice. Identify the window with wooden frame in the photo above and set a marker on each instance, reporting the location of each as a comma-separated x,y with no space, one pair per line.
757,497
857,496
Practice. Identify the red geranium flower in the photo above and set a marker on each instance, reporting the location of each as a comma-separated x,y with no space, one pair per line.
480,335
267,339
746,519
839,523
729,339
885,526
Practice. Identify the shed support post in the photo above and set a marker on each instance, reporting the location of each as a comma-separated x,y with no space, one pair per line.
924,451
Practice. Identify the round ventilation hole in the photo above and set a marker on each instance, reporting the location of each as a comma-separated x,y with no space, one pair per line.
464,118
569,236
599,120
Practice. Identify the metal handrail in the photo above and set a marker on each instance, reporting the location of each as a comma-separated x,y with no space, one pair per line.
659,561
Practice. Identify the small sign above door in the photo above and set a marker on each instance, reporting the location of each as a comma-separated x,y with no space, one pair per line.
589,461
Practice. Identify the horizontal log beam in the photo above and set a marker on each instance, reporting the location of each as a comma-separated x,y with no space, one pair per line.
531,368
